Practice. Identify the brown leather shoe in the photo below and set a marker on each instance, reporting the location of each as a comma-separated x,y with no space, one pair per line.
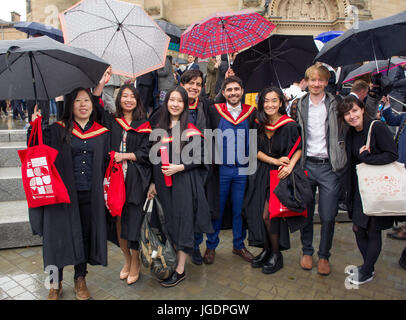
323,267
244,253
82,293
55,294
208,257
306,262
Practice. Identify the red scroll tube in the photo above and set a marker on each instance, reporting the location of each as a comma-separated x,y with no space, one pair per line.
165,163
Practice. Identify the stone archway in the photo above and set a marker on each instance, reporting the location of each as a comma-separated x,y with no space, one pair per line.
308,16
291,9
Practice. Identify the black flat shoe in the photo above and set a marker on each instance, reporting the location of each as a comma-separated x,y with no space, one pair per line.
259,260
273,264
197,257
173,280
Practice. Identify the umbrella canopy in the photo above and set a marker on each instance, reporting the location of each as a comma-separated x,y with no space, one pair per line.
33,28
329,35
276,61
42,68
225,33
370,67
119,32
371,40
172,30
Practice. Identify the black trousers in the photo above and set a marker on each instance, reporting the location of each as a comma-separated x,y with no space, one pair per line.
369,243
85,209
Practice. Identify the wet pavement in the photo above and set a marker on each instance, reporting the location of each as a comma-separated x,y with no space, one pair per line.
229,278
8,123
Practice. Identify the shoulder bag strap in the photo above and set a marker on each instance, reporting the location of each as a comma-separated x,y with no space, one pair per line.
294,147
368,144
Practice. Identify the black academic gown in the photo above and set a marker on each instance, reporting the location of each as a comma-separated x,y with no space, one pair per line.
257,190
59,224
184,203
138,172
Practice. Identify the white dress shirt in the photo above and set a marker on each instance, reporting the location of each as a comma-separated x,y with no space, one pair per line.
316,143
234,111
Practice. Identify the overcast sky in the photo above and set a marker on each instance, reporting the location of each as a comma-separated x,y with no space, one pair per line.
6,6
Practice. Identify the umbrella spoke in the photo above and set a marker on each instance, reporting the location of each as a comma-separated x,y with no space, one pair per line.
132,9
128,48
94,15
83,71
146,43
108,44
42,77
90,31
112,11
9,65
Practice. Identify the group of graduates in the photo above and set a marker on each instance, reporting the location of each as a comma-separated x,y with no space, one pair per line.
77,233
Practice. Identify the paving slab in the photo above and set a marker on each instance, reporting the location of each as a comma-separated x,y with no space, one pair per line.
229,278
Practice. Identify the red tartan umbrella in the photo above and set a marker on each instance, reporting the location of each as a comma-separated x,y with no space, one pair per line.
225,33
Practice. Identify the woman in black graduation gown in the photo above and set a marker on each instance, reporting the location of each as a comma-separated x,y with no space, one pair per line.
75,233
184,203
129,139
367,229
277,134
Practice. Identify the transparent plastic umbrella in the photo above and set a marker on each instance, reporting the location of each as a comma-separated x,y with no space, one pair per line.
119,32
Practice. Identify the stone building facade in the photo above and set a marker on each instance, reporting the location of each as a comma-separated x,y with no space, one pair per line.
290,16
8,32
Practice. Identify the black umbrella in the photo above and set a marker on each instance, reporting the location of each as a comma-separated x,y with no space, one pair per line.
172,30
371,40
42,68
277,61
370,67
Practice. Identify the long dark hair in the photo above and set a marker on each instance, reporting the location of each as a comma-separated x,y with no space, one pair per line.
67,117
261,115
165,120
138,112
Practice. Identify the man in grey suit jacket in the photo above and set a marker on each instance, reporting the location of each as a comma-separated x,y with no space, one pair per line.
323,156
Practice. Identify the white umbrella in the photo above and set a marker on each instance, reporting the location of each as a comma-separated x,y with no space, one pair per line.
119,32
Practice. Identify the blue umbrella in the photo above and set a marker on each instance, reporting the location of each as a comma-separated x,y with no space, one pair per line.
33,28
329,35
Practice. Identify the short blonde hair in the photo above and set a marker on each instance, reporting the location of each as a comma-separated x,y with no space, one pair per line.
320,69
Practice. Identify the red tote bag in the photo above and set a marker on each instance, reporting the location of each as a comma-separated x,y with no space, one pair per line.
42,183
114,187
276,208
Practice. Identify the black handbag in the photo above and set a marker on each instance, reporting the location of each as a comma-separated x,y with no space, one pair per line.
157,251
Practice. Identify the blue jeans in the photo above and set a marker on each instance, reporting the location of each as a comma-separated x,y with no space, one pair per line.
323,177
52,107
230,181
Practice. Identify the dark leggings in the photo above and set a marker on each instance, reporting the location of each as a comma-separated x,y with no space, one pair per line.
85,209
369,242
271,230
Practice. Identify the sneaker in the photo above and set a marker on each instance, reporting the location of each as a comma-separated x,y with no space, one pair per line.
197,257
351,271
173,280
361,278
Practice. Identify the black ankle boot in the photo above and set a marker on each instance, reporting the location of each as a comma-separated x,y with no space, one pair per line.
273,264
260,259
